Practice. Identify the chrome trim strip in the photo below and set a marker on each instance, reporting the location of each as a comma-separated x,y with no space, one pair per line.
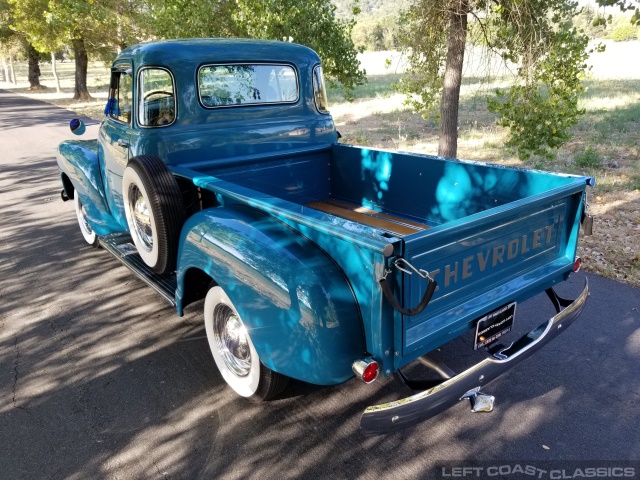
408,411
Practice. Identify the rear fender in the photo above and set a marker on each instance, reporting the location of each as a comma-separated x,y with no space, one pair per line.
78,163
299,308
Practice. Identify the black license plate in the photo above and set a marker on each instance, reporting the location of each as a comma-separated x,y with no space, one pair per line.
494,325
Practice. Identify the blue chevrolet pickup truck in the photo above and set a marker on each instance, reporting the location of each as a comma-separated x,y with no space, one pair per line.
217,175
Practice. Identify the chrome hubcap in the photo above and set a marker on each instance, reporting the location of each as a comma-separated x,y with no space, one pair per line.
232,340
141,218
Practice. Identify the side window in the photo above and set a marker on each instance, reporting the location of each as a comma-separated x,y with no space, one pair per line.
156,98
120,103
319,91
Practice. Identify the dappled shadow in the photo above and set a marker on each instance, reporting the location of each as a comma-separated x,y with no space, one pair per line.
103,393
99,378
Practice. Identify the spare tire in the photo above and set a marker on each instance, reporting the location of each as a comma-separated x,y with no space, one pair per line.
155,214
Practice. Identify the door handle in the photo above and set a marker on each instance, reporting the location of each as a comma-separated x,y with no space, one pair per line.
123,143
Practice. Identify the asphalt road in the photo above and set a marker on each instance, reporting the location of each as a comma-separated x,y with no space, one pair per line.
99,378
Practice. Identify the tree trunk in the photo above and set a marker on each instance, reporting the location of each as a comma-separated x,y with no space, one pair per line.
34,68
5,69
54,71
81,92
448,142
11,70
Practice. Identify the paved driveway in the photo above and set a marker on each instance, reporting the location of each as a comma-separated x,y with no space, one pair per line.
99,378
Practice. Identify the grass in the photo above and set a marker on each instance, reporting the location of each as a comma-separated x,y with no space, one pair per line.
589,158
376,86
605,143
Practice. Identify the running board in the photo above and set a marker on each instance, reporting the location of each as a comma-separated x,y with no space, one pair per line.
121,246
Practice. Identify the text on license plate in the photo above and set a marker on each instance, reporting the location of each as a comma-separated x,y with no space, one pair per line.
494,325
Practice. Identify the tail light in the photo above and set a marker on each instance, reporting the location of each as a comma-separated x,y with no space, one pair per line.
366,370
577,264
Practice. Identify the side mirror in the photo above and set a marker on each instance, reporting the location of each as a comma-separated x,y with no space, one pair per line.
77,126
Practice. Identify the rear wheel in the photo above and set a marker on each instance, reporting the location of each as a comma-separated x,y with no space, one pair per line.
234,353
87,232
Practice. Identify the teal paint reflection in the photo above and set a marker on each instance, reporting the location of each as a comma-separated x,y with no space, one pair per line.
78,160
299,311
453,193
376,168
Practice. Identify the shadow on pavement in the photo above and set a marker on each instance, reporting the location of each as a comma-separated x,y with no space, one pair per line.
17,114
99,378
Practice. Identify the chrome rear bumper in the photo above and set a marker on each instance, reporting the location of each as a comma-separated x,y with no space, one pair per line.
403,413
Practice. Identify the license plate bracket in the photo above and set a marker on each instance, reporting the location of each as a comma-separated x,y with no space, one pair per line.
494,325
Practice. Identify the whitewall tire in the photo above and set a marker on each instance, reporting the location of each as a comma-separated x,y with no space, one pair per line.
234,352
87,233
140,219
153,208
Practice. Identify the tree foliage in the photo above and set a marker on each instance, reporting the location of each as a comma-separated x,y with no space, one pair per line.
535,38
98,26
542,106
312,23
624,6
5,20
9,41
588,20
376,33
623,32
104,27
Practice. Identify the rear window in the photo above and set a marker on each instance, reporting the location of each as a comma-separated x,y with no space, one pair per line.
241,85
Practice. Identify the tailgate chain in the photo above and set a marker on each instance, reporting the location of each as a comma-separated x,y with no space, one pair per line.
426,298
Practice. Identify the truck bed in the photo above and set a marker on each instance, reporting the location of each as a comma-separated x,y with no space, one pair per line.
352,211
398,193
488,234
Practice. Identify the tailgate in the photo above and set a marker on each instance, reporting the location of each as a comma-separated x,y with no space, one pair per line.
484,261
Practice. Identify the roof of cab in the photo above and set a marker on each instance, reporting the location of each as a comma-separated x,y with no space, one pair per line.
208,50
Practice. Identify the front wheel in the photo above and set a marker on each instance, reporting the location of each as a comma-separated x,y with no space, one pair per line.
87,233
234,353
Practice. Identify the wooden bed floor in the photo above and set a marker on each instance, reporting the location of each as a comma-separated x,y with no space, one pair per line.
390,223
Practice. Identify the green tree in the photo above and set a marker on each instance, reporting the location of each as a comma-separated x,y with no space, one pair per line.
624,6
98,25
587,20
312,23
9,42
377,33
5,21
623,32
537,36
